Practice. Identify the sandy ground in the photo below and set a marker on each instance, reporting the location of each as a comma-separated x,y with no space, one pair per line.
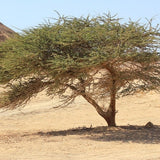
38,132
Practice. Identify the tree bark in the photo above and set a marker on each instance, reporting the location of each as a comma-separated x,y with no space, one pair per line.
109,116
111,113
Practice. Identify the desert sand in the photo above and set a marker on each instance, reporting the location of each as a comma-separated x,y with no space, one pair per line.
39,132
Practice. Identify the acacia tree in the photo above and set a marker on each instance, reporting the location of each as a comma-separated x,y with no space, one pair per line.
97,58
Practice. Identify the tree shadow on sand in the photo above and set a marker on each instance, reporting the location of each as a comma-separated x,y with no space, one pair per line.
136,134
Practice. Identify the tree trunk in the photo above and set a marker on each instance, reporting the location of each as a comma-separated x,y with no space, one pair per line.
109,116
111,112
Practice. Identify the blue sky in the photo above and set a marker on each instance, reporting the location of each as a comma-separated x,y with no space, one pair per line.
23,14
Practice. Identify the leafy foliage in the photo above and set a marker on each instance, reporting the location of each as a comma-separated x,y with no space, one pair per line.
95,57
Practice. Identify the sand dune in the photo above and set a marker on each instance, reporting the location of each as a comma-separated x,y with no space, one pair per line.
39,132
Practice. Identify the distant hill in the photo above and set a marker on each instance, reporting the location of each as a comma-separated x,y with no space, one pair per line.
5,32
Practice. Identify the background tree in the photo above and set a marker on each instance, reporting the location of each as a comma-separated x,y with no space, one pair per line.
97,58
